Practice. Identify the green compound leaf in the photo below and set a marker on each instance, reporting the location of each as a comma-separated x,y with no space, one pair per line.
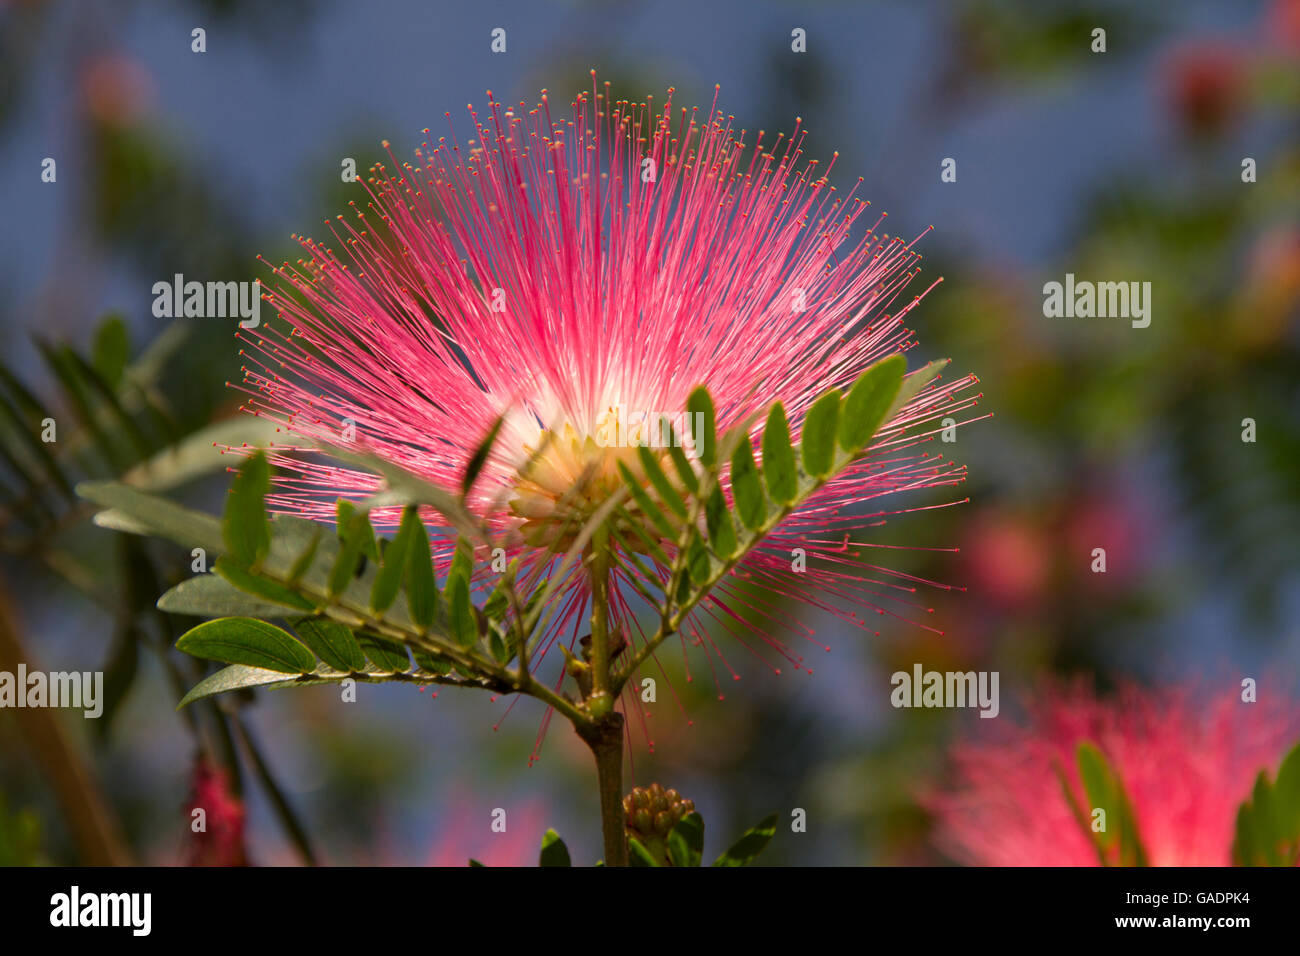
246,640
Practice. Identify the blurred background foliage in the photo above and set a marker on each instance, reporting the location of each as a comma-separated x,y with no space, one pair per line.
1117,166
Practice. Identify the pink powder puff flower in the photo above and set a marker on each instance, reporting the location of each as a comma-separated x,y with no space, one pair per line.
562,271
1187,758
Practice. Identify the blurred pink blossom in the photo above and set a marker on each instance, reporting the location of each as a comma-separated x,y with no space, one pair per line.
1187,757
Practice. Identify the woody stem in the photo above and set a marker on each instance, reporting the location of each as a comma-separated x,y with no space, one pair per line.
605,738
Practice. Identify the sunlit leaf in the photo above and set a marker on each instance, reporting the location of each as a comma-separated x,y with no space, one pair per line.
868,402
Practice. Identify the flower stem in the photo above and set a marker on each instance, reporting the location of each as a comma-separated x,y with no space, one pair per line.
605,738
603,733
600,662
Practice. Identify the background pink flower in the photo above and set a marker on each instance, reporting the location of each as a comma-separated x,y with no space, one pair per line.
1187,756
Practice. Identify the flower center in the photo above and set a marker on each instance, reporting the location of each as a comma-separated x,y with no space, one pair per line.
566,474
563,481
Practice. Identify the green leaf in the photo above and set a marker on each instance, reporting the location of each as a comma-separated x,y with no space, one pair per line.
107,398
65,369
407,488
303,562
26,424
718,519
677,454
638,855
778,457
700,407
649,544
111,350
245,528
667,493
331,642
747,486
209,595
697,560
421,585
149,514
433,663
820,426
1268,837
234,677
480,456
913,384
358,537
750,845
554,852
1287,790
352,520
246,640
1245,849
1268,822
498,602
644,502
1119,842
200,453
462,561
387,656
686,841
395,562
263,587
497,647
869,401
460,611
